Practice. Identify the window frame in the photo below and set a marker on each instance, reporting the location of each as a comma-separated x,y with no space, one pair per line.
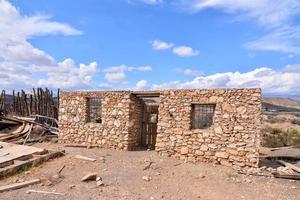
207,115
90,105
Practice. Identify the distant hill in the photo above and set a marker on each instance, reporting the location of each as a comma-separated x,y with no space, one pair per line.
282,102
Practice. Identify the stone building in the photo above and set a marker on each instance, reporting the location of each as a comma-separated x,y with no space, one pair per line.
209,125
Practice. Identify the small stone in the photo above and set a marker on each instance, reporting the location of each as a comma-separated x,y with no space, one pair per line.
226,163
248,180
204,148
102,158
98,178
238,128
56,176
218,130
146,178
100,183
202,176
227,107
241,110
184,150
71,186
89,177
221,155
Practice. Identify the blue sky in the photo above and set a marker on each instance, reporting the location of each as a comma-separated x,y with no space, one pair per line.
150,44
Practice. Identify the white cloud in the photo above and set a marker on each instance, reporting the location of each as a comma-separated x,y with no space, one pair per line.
285,81
141,85
67,75
276,16
192,72
116,74
266,12
185,51
123,68
112,69
160,45
140,69
182,51
285,39
14,75
25,66
16,29
116,77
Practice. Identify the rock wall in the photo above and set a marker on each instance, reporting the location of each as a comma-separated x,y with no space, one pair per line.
113,132
135,124
233,138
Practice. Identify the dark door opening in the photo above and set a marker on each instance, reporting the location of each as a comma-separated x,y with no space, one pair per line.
149,125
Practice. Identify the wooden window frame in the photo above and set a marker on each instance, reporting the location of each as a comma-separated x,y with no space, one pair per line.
94,108
202,115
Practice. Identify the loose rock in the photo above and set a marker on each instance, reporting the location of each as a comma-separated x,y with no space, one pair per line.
89,177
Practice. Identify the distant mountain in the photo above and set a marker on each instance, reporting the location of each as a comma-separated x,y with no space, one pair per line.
283,102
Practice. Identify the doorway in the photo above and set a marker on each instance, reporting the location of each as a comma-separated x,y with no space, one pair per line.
149,123
148,106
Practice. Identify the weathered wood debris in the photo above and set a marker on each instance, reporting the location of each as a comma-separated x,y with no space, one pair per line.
26,118
19,185
21,130
281,163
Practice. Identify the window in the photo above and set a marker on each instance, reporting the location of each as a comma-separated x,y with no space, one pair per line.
202,115
94,110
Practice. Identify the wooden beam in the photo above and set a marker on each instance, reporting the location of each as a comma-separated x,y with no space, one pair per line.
44,192
297,169
85,158
15,186
147,94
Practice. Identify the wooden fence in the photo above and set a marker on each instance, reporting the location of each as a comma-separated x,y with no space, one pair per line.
37,102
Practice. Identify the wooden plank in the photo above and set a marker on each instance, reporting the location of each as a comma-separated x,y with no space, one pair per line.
15,186
296,169
287,176
24,165
16,151
80,145
44,192
85,158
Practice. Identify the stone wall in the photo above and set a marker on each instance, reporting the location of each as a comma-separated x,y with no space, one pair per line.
113,132
135,116
233,139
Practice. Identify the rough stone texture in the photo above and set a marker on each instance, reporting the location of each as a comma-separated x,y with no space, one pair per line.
135,125
233,139
113,132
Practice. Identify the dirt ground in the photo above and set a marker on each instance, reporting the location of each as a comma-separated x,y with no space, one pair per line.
122,174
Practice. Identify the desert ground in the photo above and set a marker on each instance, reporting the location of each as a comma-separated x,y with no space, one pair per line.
123,175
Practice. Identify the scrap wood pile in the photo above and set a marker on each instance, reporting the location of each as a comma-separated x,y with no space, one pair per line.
283,162
21,130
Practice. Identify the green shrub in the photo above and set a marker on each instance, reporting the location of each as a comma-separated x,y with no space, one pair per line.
271,141
276,130
278,138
